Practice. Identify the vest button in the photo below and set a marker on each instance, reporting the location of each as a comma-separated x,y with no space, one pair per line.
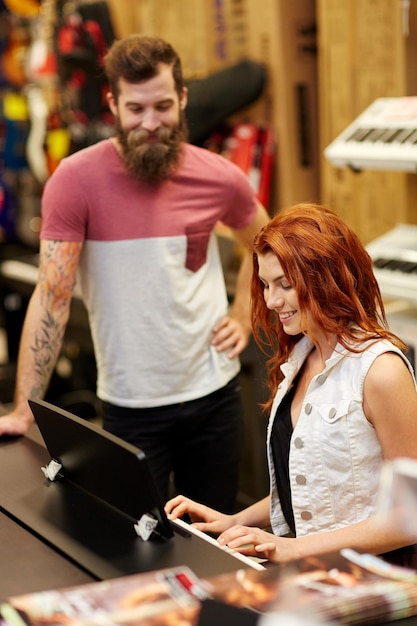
300,479
308,408
306,515
298,442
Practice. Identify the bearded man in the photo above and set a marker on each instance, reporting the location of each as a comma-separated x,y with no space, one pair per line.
134,217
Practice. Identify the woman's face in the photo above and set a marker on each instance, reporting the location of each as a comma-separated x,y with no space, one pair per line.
280,296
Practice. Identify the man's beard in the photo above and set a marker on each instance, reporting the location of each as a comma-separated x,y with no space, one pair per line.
151,161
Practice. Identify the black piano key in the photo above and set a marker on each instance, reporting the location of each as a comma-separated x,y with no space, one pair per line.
360,134
412,138
381,263
391,134
408,267
384,135
403,134
394,264
376,134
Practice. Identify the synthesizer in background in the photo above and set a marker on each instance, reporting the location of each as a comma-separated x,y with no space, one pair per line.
394,256
383,137
402,320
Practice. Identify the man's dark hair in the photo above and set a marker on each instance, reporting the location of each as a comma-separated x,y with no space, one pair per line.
135,58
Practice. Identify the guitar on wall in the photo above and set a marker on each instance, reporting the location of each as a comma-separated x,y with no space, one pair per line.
43,94
22,8
28,65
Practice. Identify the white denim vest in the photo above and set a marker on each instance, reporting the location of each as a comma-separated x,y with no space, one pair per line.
335,457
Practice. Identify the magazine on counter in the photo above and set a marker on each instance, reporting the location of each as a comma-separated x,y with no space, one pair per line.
343,587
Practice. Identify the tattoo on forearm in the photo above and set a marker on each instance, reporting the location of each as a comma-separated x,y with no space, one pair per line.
59,262
46,348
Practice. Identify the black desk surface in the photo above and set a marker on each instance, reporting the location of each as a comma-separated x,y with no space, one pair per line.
27,564
59,536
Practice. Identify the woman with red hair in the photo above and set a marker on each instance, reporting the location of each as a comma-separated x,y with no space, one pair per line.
343,397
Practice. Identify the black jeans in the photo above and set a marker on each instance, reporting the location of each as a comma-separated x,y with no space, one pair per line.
200,442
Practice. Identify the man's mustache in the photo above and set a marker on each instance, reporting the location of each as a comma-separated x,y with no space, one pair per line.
139,136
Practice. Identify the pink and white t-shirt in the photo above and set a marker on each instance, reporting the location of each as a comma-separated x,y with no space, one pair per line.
150,270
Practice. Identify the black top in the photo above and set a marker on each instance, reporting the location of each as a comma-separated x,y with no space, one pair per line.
280,443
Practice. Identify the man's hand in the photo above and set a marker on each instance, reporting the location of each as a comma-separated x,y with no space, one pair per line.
15,423
229,334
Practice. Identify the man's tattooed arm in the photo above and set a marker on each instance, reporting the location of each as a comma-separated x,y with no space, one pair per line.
44,328
57,275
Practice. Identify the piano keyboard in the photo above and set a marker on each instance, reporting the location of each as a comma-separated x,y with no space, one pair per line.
20,270
247,560
384,137
394,257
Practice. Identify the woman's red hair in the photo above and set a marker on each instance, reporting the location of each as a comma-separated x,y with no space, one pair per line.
332,273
